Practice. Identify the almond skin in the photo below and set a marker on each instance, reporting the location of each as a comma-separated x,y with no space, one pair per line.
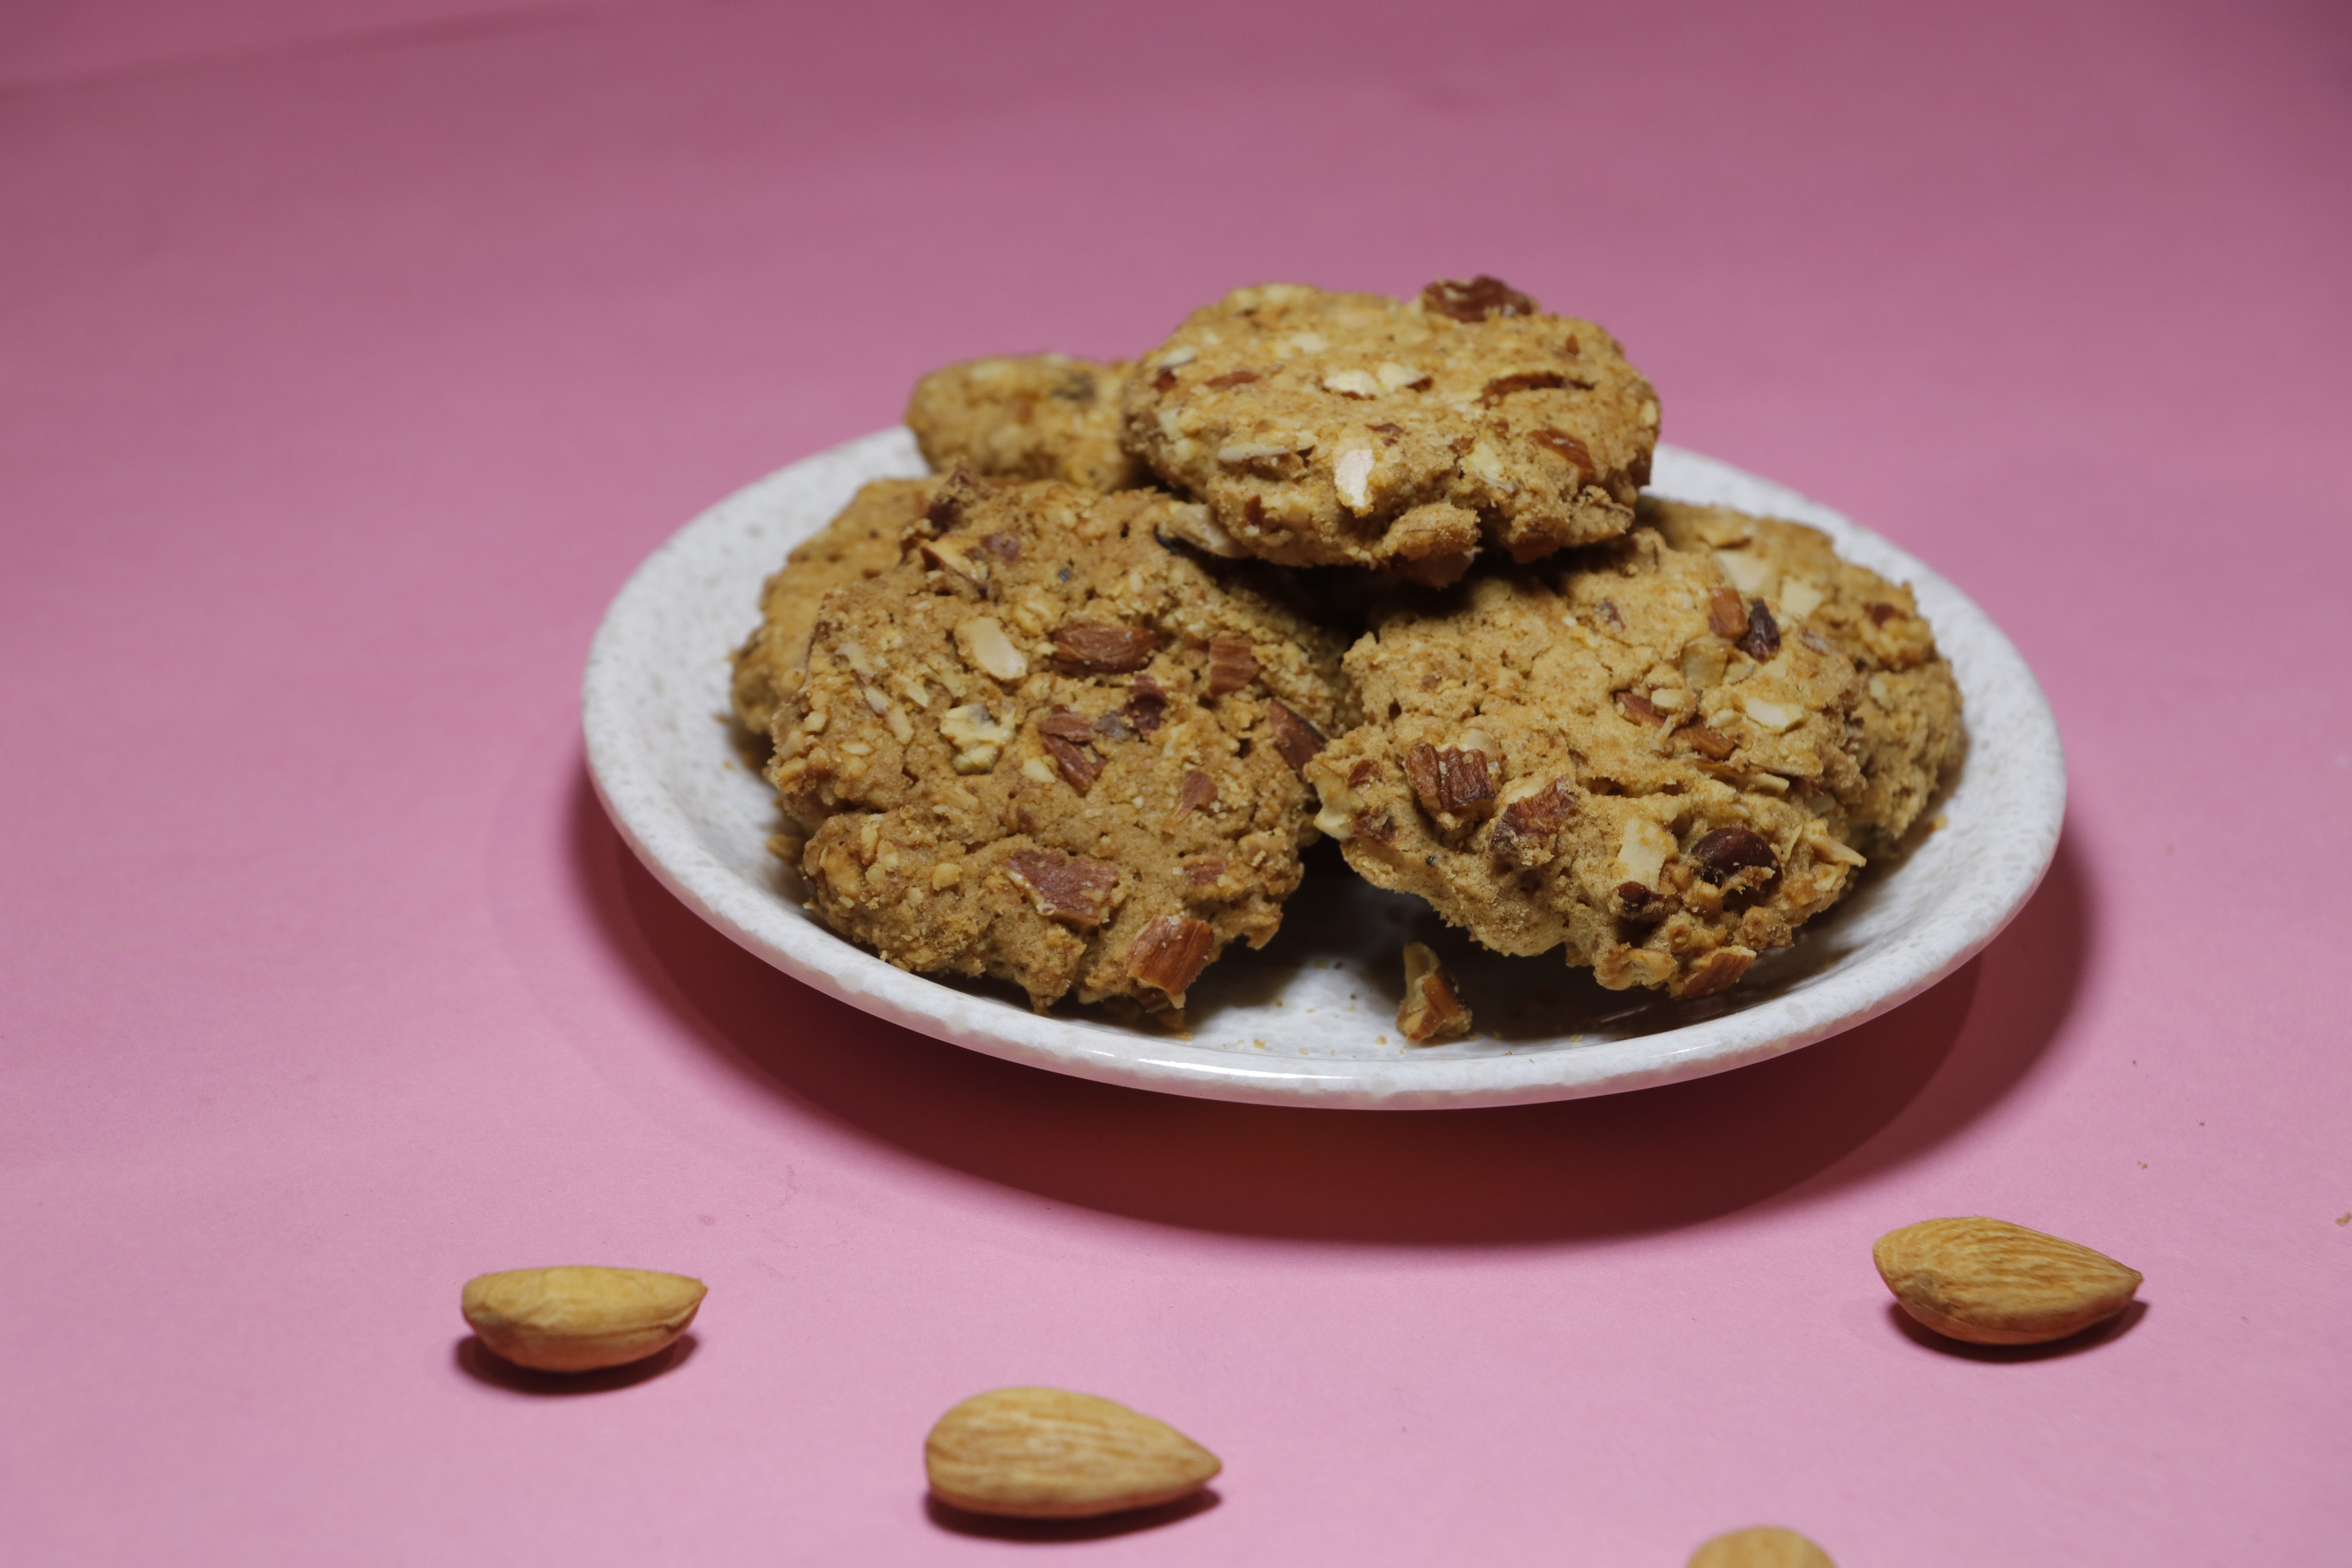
1047,1453
1993,1283
578,1319
1765,1546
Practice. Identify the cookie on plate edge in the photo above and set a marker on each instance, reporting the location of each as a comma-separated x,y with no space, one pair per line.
1050,748
1661,754
864,540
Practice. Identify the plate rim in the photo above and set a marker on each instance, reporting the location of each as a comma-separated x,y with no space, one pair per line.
657,829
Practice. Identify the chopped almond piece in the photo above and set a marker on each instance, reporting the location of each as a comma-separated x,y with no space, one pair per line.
1431,1010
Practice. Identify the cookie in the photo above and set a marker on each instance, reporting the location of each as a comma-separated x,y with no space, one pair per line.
1051,748
1621,754
862,541
1326,428
1905,729
1043,417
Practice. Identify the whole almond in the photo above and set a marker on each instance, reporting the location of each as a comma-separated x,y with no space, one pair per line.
1765,1546
1047,1453
1994,1283
577,1319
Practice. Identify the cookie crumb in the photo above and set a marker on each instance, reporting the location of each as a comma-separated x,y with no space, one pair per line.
1431,1009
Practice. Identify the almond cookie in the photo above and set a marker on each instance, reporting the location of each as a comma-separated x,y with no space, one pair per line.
1905,729
1623,753
862,541
1050,748
1046,416
1326,428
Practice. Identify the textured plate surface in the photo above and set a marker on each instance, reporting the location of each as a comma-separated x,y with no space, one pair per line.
1311,1019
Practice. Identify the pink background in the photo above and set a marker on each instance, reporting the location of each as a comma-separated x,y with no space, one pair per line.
350,357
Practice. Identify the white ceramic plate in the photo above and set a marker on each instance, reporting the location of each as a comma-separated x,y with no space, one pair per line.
1311,1019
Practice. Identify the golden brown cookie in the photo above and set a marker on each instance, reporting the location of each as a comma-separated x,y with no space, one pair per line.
1046,416
1050,748
862,541
1621,754
1909,712
1326,428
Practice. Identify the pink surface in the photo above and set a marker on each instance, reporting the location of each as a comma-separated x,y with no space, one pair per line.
342,382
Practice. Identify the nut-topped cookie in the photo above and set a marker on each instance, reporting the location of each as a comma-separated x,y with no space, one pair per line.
1050,748
1324,428
1905,729
1624,753
862,541
1046,417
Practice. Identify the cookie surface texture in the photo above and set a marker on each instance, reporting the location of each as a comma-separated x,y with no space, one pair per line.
1324,428
1049,748
1618,753
862,543
1046,417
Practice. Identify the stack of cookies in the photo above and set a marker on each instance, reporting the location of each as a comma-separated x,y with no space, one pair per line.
1331,564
